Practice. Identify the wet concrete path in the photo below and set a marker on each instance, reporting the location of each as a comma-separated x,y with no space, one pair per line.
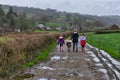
66,66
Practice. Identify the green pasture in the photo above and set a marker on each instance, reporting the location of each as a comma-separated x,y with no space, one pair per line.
108,42
55,24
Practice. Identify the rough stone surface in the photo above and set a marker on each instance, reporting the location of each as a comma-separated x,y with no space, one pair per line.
66,66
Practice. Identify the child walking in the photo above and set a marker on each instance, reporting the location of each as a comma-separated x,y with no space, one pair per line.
61,42
68,43
83,42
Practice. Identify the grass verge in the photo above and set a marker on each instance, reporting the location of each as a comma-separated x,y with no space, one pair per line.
108,42
41,57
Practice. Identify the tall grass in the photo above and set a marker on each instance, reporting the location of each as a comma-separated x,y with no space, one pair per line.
107,42
6,39
41,57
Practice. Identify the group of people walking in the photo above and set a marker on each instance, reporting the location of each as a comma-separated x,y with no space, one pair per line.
74,40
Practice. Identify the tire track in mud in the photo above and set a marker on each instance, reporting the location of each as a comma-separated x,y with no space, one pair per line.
69,66
111,65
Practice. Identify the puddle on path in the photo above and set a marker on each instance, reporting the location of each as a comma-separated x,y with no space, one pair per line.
23,76
46,67
45,79
58,58
55,58
99,64
105,73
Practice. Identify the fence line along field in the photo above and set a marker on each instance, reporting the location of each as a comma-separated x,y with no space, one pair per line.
107,42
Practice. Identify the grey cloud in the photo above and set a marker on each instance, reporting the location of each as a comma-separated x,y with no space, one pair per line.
95,7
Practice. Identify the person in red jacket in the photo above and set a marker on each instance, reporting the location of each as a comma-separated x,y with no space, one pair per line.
83,42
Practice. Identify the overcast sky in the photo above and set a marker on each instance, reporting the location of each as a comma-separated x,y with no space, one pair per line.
92,7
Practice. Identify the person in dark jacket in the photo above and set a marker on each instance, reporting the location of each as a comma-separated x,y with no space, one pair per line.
74,39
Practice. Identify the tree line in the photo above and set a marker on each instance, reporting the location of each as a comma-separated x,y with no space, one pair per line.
25,18
11,21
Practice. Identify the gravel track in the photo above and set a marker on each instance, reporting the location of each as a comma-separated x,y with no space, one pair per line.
72,66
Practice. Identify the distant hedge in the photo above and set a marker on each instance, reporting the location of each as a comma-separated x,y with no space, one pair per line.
106,31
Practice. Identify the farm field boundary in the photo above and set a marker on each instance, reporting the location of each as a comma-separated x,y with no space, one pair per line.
107,42
17,49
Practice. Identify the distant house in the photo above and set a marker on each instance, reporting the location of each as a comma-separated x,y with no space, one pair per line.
59,29
113,27
17,30
40,26
48,28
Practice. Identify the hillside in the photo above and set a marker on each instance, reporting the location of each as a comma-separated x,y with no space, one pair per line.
51,15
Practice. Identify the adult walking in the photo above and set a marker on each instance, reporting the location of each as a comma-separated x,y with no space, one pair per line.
74,39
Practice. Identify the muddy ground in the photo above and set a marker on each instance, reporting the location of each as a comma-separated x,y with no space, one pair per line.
66,66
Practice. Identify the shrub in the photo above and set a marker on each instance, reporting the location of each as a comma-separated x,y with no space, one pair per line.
20,48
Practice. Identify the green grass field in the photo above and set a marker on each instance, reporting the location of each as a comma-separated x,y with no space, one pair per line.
56,24
108,42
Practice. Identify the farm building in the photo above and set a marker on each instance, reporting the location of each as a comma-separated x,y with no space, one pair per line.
113,27
40,26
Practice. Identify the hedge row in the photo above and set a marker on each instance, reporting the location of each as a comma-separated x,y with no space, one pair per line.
106,31
18,49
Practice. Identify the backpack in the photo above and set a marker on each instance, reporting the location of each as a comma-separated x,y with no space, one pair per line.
83,42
